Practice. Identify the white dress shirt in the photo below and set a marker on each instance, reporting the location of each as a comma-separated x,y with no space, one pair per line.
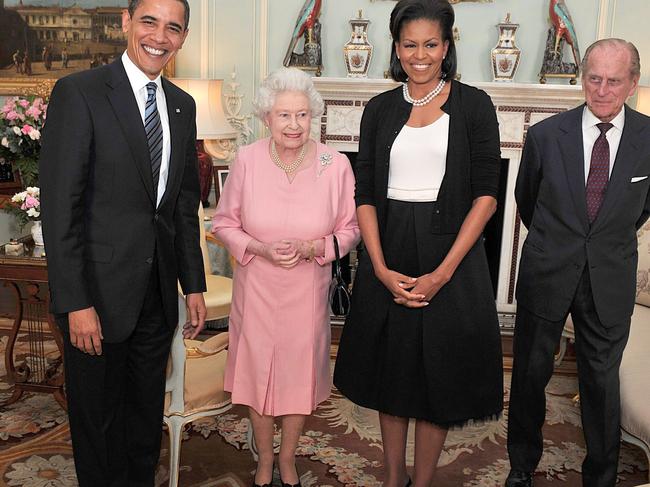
590,133
139,82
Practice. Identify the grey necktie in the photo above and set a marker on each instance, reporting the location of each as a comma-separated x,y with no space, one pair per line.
153,129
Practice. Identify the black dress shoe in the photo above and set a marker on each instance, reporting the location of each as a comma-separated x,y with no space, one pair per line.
408,482
517,478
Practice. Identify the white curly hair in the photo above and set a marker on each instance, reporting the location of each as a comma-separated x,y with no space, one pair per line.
287,79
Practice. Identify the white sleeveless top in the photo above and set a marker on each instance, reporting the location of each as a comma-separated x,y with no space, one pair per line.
417,162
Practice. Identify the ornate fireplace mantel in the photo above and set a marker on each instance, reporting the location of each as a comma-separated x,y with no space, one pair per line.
518,107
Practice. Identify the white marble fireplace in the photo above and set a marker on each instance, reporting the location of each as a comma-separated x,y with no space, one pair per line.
518,107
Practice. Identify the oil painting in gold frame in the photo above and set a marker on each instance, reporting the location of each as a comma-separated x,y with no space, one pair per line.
44,40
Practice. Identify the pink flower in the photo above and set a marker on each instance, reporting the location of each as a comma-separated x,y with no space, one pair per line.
23,103
33,112
26,129
14,115
31,202
9,105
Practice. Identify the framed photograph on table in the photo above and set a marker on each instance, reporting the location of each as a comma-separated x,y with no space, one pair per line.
220,173
43,41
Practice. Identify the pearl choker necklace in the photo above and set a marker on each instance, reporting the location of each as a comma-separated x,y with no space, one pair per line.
291,167
427,98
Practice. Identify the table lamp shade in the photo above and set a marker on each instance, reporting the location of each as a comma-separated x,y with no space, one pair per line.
211,122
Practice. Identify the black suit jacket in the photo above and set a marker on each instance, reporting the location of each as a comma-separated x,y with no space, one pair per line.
550,194
101,226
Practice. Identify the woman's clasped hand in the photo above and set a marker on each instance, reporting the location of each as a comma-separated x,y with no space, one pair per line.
288,252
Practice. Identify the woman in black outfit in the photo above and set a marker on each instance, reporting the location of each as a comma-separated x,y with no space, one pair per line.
422,337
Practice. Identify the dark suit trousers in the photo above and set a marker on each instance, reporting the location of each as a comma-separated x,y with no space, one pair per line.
599,350
115,401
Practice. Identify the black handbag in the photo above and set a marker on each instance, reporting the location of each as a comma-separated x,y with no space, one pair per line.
339,295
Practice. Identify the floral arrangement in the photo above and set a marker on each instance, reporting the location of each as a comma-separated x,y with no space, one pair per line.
25,206
21,122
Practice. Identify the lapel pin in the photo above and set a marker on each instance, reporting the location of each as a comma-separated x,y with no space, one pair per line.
178,110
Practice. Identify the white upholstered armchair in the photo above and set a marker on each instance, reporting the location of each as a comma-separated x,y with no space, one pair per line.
196,368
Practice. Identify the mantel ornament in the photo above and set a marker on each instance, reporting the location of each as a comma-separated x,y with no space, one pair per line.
505,56
358,51
562,30
307,29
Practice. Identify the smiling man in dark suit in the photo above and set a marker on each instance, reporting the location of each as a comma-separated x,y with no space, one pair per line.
120,196
582,191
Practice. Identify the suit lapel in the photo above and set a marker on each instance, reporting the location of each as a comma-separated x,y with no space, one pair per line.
624,165
177,156
570,142
122,99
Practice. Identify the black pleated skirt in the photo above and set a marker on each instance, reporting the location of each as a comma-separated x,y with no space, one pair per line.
441,363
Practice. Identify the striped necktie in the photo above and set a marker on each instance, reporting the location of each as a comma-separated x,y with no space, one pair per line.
153,129
598,173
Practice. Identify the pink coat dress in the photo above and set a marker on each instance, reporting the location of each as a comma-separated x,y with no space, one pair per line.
278,356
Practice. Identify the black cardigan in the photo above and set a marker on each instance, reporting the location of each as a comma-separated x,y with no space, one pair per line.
473,154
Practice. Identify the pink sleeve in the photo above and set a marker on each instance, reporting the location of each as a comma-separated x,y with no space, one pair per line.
346,228
227,222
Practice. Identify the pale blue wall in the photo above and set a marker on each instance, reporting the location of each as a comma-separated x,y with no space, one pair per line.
187,59
9,229
225,33
630,21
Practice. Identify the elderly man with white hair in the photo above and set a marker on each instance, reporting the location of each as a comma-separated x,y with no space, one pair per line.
582,191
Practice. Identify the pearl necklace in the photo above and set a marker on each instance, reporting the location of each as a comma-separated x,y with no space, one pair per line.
427,98
291,167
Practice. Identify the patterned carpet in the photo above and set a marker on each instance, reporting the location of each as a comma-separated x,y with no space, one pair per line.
340,446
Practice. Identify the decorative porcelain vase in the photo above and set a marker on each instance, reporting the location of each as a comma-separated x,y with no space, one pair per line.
37,233
358,51
505,56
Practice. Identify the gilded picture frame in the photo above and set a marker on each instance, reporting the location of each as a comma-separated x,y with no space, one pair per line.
41,42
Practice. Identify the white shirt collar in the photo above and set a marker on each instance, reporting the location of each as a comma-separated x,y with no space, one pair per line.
136,77
590,120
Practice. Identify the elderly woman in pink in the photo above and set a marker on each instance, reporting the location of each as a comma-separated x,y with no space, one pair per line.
285,199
